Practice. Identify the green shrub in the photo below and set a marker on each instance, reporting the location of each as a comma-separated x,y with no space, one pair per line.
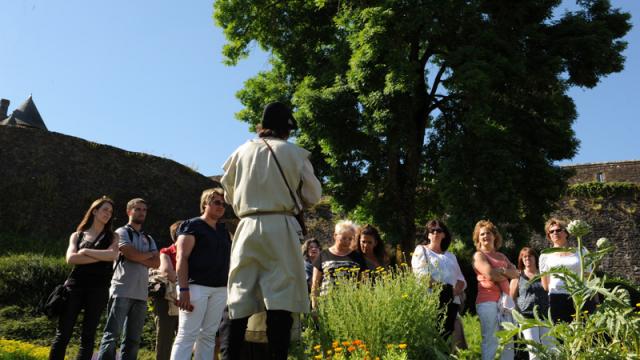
396,309
20,244
28,278
19,324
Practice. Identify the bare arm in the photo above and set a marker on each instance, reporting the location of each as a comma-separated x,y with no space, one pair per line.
167,268
132,254
73,256
513,288
315,287
545,282
109,254
184,245
481,264
152,262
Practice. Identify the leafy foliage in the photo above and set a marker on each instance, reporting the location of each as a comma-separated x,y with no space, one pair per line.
396,308
611,332
421,107
32,274
599,189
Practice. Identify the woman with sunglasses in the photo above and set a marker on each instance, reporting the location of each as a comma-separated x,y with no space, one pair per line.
431,258
92,250
560,302
202,260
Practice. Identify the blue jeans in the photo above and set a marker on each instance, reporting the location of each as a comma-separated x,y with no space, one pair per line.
489,325
127,314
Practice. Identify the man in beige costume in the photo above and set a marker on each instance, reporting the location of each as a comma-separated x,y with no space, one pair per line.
267,268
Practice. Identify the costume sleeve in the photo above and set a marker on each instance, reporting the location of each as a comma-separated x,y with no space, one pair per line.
311,190
228,180
419,262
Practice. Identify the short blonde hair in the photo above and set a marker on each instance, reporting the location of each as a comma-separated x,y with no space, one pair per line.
207,195
343,226
497,242
554,221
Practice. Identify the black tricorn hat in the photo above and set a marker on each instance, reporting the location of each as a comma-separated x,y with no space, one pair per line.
277,116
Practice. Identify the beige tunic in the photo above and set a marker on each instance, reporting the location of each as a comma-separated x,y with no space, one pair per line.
267,268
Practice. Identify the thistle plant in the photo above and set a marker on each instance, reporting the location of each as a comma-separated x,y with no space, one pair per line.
611,332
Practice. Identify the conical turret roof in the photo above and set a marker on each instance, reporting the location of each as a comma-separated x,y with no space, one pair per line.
26,114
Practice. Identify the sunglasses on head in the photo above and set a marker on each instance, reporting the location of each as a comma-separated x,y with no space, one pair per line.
435,231
556,231
217,203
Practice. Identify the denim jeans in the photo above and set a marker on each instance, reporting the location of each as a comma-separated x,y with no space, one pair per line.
489,325
128,315
200,325
93,302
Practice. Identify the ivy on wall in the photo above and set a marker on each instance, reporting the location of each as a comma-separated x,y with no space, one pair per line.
598,189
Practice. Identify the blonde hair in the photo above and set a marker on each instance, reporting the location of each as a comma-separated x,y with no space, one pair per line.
343,226
207,195
497,242
554,221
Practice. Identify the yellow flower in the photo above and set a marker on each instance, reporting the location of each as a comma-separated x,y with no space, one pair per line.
357,342
405,296
329,352
390,346
339,349
318,357
317,348
638,305
402,346
335,344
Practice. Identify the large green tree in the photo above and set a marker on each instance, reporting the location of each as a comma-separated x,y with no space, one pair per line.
415,108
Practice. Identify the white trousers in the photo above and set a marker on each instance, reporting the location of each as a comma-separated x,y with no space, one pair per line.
537,334
489,325
200,325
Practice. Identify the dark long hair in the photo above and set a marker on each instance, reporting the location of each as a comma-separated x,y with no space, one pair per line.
378,250
87,220
434,224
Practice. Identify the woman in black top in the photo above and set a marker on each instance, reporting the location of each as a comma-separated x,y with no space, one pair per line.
370,245
92,250
338,256
529,295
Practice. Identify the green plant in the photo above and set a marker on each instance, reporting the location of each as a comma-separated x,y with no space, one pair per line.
384,308
26,279
612,331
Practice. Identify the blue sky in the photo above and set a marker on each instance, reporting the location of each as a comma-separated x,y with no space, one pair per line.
148,76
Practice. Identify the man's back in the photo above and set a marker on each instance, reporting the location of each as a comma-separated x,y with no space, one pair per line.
256,184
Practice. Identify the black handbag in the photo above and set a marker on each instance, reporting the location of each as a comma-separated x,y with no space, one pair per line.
56,301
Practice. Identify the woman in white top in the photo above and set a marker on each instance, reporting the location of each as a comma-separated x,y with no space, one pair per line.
432,258
560,302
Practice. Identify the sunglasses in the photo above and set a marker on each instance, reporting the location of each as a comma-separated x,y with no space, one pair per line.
217,203
436,231
556,231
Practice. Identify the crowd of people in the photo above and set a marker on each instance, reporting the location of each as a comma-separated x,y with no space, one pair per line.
212,281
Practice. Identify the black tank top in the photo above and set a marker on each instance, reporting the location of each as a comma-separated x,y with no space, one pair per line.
95,275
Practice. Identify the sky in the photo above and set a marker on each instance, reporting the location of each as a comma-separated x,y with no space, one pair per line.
148,76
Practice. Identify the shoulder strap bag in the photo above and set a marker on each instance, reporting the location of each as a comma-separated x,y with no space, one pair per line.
300,215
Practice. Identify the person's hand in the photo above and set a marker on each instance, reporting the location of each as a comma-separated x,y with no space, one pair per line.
459,288
184,301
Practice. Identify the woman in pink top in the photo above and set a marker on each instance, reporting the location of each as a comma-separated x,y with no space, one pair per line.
493,271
